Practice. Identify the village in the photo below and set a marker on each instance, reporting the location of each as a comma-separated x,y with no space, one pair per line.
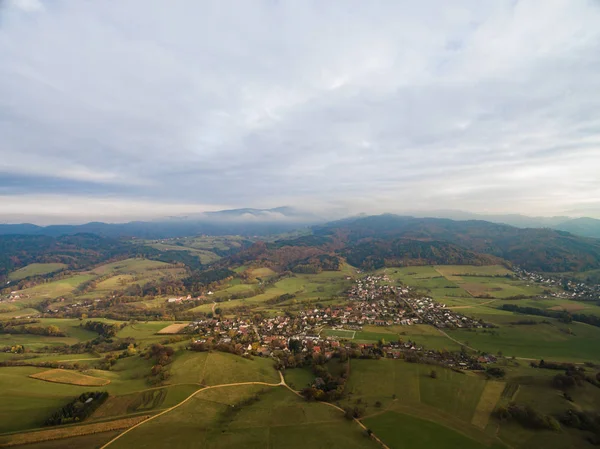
372,301
569,288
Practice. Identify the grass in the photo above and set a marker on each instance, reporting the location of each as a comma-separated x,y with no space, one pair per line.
70,377
299,378
173,328
93,440
216,368
69,431
144,330
451,399
549,341
446,283
262,272
340,333
487,403
279,419
131,266
143,401
307,288
27,402
52,290
421,334
454,393
585,307
400,431
36,269
206,257
461,270
35,342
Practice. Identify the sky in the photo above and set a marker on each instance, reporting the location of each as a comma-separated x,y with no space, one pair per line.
133,109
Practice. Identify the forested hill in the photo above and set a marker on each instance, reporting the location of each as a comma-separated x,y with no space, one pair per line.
78,251
535,249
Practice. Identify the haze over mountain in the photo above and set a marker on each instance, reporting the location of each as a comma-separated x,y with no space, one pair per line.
250,221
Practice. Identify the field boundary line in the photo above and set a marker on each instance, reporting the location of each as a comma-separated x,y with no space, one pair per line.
490,396
356,420
37,377
190,397
78,430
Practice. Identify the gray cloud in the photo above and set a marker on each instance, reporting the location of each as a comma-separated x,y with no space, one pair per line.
485,106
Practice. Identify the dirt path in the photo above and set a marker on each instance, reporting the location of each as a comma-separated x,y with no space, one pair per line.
455,340
473,305
282,382
214,306
373,436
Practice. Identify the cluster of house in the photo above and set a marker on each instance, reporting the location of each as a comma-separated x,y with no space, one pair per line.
436,314
269,339
373,287
386,305
569,288
374,302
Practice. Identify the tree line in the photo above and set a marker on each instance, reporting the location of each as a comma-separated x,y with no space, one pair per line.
561,315
78,409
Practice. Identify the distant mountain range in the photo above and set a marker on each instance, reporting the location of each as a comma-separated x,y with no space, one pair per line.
584,226
532,248
391,240
368,242
259,222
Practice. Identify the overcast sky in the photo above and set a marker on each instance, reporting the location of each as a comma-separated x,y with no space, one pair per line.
123,109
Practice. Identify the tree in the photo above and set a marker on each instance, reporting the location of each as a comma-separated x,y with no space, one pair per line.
495,371
53,330
295,345
131,349
433,374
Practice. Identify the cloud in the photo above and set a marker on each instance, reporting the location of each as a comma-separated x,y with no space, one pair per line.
56,209
380,106
27,5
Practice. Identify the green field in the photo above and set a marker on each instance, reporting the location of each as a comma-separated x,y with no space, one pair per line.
204,247
340,333
109,277
447,283
52,290
220,368
298,378
277,419
400,431
451,399
35,269
94,440
27,402
551,341
307,288
421,334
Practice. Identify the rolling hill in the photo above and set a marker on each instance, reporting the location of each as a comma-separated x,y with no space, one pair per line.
535,249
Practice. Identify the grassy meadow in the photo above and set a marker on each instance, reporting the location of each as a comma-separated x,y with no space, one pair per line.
35,269
275,418
324,287
109,277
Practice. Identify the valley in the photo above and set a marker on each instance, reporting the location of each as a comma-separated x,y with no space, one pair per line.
267,340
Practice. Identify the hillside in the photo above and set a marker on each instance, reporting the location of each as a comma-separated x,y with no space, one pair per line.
535,249
589,227
371,255
76,251
80,251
